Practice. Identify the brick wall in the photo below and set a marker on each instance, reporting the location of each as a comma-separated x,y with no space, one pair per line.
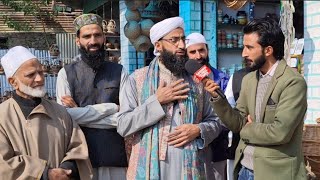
312,58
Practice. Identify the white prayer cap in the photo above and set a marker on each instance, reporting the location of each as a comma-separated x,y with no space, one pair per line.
14,58
164,27
195,38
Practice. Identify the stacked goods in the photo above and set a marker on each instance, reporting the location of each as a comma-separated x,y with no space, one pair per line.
311,147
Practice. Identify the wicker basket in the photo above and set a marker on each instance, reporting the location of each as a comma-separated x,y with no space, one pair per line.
311,147
132,15
146,25
314,162
311,140
132,29
142,43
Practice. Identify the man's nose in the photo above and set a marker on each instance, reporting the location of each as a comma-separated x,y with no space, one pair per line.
182,44
198,55
39,78
244,53
93,40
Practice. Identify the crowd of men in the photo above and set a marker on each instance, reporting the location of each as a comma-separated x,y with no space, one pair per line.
158,122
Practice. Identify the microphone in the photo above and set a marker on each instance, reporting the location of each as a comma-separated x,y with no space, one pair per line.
200,72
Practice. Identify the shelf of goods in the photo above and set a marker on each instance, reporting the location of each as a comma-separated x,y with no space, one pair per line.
230,24
112,47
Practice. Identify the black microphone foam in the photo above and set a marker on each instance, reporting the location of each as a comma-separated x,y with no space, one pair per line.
193,66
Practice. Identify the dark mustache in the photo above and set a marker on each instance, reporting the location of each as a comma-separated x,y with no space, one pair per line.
94,46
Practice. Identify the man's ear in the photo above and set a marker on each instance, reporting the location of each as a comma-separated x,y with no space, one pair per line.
78,41
158,46
268,51
13,82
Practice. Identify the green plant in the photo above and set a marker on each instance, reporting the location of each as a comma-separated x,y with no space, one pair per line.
29,8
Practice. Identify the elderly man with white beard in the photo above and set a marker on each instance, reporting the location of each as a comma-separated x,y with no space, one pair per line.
38,139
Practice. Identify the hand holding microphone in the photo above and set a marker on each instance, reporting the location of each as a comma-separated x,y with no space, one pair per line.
200,73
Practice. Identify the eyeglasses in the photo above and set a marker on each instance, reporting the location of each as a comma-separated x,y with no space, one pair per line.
176,40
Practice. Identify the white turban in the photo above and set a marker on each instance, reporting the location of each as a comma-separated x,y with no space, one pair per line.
195,38
162,28
14,58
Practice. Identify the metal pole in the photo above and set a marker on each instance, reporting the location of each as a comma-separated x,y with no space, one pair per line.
201,16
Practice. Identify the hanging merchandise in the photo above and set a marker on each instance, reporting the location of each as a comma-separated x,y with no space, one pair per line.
286,23
142,43
54,51
104,22
134,4
132,15
111,26
251,10
104,26
235,4
153,12
146,25
132,30
139,22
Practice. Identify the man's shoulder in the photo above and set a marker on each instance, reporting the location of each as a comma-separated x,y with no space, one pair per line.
53,105
291,75
138,76
6,109
113,65
250,75
74,61
140,71
219,73
4,106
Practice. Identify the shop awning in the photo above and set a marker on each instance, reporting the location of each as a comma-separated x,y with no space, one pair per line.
89,5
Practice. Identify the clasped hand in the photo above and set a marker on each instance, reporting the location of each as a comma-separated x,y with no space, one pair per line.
172,92
59,174
68,101
183,134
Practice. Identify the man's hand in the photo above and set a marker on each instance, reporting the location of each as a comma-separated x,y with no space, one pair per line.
175,91
68,101
249,119
59,174
183,134
211,87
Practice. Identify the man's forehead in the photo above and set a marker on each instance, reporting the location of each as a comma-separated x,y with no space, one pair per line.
88,29
252,37
30,64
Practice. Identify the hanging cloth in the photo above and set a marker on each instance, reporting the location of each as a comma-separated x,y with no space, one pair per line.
286,24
